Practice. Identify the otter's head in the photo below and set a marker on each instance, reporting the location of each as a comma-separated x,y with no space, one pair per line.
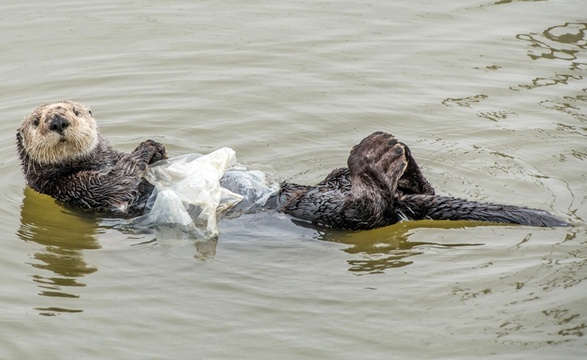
57,132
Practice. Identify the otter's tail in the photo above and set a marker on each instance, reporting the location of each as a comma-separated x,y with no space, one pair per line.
435,207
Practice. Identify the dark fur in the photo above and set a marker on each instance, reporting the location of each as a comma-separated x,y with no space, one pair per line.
103,180
381,186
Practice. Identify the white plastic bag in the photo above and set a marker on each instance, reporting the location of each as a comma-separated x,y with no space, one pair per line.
189,197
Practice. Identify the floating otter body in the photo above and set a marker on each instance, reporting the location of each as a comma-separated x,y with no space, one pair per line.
64,156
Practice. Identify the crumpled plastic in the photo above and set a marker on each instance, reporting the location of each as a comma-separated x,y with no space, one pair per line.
193,190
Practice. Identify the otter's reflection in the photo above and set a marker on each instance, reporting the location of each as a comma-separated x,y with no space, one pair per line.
169,237
64,236
375,251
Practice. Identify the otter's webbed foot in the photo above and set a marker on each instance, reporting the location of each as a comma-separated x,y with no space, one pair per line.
381,169
363,196
380,153
150,151
413,181
376,165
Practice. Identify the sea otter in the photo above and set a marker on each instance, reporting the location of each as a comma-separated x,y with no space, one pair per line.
64,156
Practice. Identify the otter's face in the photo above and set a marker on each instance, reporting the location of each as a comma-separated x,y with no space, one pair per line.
58,132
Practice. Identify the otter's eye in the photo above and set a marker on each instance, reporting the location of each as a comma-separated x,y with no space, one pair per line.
90,112
36,122
77,112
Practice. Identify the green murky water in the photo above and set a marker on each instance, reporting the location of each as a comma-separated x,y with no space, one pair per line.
490,96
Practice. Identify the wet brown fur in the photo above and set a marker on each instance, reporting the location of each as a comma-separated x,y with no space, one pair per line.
383,185
64,156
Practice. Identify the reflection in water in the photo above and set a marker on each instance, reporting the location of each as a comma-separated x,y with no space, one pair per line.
562,42
465,101
503,2
571,105
558,79
495,116
566,42
169,236
390,247
64,237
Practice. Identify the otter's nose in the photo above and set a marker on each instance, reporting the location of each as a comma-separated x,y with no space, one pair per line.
58,124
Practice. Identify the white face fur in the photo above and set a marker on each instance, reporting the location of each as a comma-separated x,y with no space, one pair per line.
59,132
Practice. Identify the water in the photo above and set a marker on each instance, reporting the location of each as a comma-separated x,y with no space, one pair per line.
490,96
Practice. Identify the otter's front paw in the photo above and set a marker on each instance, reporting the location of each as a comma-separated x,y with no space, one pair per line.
152,150
160,153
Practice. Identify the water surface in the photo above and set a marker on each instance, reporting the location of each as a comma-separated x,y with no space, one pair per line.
489,95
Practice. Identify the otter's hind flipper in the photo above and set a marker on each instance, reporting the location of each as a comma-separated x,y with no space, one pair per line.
413,181
376,165
381,150
361,197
